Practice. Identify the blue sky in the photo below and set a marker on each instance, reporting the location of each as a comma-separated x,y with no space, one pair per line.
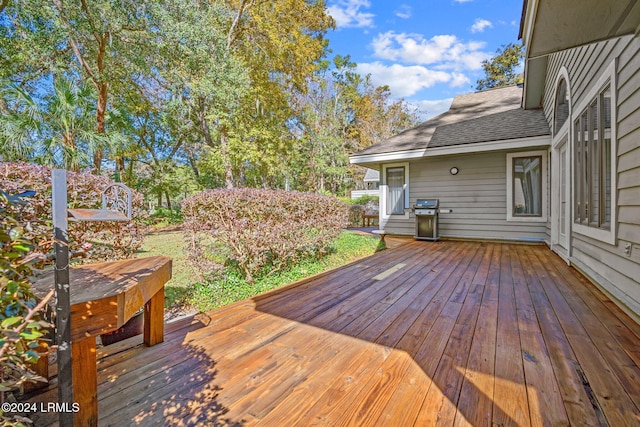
426,51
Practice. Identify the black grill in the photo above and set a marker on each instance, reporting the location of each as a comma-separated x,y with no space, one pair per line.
427,212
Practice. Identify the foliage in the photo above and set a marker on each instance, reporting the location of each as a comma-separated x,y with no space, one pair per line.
173,92
341,113
281,43
365,204
231,288
20,323
366,199
501,69
162,216
58,130
258,231
96,241
355,215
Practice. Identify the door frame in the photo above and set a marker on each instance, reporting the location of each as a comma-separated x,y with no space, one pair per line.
561,143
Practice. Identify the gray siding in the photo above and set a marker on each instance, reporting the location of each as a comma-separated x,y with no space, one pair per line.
477,196
615,268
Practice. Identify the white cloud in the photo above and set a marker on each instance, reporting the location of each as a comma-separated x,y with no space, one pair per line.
405,81
459,79
347,13
429,109
404,12
462,1
480,25
441,51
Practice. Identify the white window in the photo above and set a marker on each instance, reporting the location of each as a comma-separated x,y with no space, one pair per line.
395,189
592,145
395,183
594,161
526,186
561,110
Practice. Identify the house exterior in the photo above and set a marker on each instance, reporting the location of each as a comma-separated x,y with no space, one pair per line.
371,184
556,160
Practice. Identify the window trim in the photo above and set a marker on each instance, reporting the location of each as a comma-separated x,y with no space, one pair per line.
608,77
384,190
562,77
543,154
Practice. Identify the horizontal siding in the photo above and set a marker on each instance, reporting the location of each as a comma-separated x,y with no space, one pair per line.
477,197
616,267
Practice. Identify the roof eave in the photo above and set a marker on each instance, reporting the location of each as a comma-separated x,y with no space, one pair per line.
541,141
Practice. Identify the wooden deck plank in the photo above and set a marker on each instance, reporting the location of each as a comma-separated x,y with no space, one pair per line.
440,403
611,397
545,401
475,406
342,389
511,406
578,405
446,333
617,348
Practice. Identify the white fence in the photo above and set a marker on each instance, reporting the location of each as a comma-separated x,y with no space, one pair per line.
359,193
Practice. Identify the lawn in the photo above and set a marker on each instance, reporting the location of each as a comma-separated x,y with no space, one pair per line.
185,292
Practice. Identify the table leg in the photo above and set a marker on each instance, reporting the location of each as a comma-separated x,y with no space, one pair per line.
85,381
154,319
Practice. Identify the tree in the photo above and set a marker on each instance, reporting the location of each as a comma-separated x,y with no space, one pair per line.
281,43
501,69
56,130
342,112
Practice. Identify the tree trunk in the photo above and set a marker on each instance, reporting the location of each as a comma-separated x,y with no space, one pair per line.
120,168
159,199
101,111
226,160
166,195
130,172
194,166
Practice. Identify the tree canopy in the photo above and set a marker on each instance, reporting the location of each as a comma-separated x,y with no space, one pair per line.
173,96
501,70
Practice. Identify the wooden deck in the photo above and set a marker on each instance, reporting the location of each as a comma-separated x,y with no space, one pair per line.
446,333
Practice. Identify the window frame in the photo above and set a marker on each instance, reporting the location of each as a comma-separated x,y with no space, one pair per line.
510,208
384,191
586,227
557,127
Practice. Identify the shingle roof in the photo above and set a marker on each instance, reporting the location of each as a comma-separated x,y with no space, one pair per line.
491,115
371,175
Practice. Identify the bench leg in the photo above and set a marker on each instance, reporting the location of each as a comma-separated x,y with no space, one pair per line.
154,319
85,381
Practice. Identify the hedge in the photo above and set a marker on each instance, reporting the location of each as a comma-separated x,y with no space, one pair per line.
95,241
258,232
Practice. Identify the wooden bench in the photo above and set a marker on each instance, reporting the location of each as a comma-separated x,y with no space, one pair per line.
104,297
368,219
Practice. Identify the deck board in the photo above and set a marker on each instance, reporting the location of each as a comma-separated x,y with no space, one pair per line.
428,333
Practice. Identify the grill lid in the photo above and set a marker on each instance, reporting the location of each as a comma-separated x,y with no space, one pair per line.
427,203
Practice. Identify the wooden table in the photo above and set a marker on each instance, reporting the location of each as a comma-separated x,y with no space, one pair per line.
369,218
104,297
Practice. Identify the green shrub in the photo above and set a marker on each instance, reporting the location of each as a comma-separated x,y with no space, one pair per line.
162,216
99,240
258,231
20,323
366,199
355,215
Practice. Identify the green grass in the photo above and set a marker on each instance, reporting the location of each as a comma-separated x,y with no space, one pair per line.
183,289
170,244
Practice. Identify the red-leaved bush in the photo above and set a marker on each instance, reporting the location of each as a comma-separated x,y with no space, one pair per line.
97,241
258,231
